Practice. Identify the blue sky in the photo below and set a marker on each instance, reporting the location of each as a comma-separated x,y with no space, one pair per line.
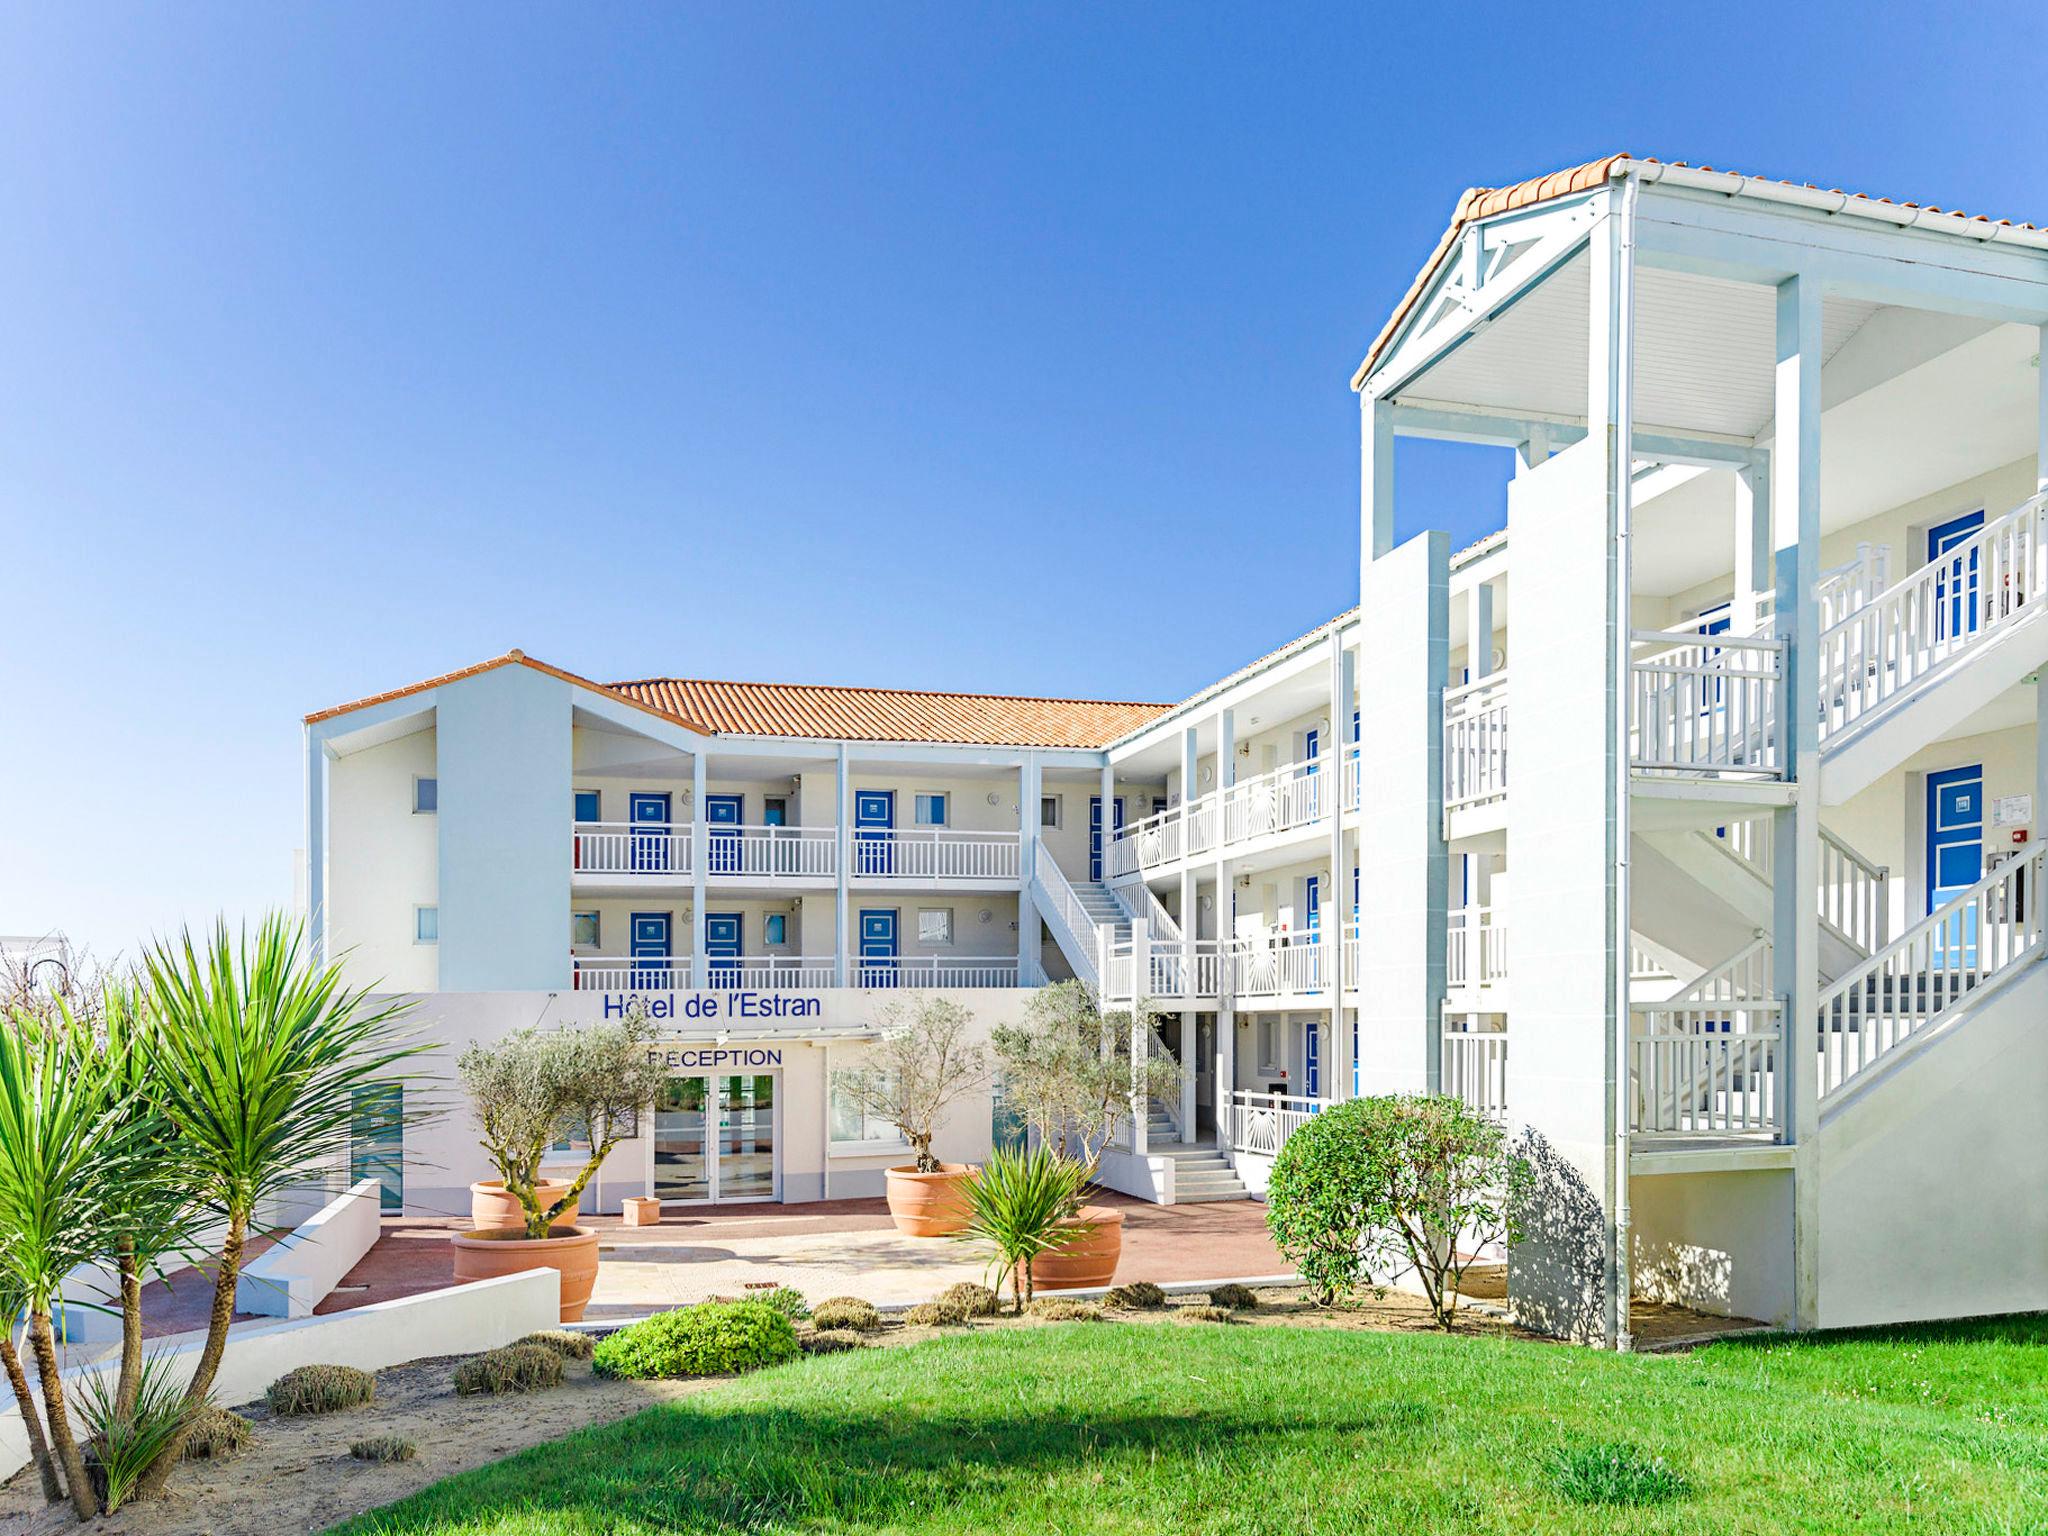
989,348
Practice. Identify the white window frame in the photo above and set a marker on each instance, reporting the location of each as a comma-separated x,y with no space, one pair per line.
889,1142
947,914
768,920
921,804
595,941
1059,812
1268,1037
426,778
419,910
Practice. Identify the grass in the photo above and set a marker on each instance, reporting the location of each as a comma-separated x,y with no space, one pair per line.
1135,1427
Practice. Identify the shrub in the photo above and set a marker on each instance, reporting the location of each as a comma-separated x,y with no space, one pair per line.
974,1300
124,1442
1063,1309
1204,1313
709,1339
515,1368
1373,1187
787,1300
384,1448
936,1314
833,1341
1614,1473
566,1342
1239,1298
1018,1206
217,1433
846,1312
320,1389
1138,1296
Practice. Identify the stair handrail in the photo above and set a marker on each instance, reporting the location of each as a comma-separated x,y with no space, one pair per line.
1703,1061
1164,929
1170,1111
1939,960
1947,607
1855,895
1841,589
1059,894
1744,976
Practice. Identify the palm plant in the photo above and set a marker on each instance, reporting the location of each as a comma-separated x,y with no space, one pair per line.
14,1304
263,1064
1018,1207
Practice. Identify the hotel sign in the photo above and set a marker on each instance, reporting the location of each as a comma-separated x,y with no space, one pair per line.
704,1007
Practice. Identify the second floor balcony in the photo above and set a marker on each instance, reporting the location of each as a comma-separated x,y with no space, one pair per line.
632,854
1292,798
787,973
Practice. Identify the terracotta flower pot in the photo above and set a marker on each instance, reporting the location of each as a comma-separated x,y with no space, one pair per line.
1088,1259
509,1251
490,1207
930,1204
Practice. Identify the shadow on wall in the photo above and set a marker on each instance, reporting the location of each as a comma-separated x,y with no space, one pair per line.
1556,1272
1683,1275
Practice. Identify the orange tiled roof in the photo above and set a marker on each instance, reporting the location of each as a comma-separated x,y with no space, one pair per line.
888,714
1484,202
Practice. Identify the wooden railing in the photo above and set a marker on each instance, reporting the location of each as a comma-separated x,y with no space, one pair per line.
1475,1068
785,973
630,848
934,853
1491,943
1281,965
1056,896
1705,705
1476,742
1294,795
1705,1061
1260,1123
766,852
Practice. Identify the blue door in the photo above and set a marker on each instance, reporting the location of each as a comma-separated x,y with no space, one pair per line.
874,841
653,844
878,948
1095,832
721,948
1956,603
650,948
1312,904
1312,1045
376,1141
1955,856
723,815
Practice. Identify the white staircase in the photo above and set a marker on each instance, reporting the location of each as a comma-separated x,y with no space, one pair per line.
1086,921
1201,1174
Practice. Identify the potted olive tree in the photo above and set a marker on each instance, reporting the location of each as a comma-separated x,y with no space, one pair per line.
528,1091
923,1063
1074,1074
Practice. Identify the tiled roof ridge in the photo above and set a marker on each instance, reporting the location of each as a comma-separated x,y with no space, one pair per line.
672,680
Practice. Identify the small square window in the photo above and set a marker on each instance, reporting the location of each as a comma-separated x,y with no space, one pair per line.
935,925
589,805
583,929
776,929
426,796
1049,811
426,925
931,810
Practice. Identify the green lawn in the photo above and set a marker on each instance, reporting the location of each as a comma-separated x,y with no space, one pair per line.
1186,1429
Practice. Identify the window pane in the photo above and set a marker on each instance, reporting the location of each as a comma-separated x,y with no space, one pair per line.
587,804
426,795
427,924
931,810
583,928
1049,811
777,928
935,926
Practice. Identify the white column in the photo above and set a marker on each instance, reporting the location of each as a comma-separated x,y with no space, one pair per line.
842,800
1190,914
1375,481
1108,812
1141,1031
1225,1068
700,857
2041,408
1752,545
316,847
1795,502
1479,631
1336,896
1030,779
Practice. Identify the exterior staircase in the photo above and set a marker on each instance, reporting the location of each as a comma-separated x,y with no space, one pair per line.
1200,1173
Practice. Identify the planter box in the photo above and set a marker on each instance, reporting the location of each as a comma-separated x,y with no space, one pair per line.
643,1211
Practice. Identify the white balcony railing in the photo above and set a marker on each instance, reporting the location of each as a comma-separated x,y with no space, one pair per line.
1260,1123
786,973
1705,705
630,849
1480,929
767,852
1705,1061
934,853
1476,742
1475,1068
1292,796
1281,965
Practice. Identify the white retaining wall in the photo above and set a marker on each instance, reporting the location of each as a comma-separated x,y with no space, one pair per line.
294,1275
461,1320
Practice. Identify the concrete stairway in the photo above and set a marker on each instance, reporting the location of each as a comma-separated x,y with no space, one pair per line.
1200,1173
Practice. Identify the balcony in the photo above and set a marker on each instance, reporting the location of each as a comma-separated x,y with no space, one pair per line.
1260,1123
1281,965
653,853
1705,707
786,973
1475,951
1476,743
1475,1068
1291,798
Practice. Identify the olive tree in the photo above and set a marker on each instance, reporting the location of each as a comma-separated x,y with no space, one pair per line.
924,1061
1074,1072
536,1087
1370,1189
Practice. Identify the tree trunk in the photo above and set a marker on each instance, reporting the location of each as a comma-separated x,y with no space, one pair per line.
83,1499
32,1420
151,1483
130,1384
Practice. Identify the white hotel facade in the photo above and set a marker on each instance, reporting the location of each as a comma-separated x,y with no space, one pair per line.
1689,825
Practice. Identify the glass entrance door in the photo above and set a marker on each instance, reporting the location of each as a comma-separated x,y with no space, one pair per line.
714,1140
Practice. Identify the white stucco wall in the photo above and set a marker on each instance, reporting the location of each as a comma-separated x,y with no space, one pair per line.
384,861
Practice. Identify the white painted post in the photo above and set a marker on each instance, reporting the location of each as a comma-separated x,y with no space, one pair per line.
700,857
1030,789
1479,632
316,847
1336,896
1795,499
1141,1033
1226,930
2041,408
1752,544
1108,828
842,800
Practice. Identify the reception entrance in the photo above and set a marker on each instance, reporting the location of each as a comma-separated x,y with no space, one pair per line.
717,1139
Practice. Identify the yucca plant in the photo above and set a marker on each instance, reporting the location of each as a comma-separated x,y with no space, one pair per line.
127,1437
14,1305
1017,1206
259,1059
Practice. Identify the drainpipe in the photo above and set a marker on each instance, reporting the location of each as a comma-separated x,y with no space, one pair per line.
1623,428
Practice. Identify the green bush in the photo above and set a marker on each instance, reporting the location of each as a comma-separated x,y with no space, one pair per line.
709,1339
1614,1473
1204,1313
787,1300
846,1312
1239,1298
384,1448
936,1314
124,1442
832,1341
1064,1309
1138,1296
320,1389
974,1300
566,1342
1374,1187
515,1368
217,1433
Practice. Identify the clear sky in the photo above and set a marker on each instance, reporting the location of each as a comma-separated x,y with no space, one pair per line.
998,348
